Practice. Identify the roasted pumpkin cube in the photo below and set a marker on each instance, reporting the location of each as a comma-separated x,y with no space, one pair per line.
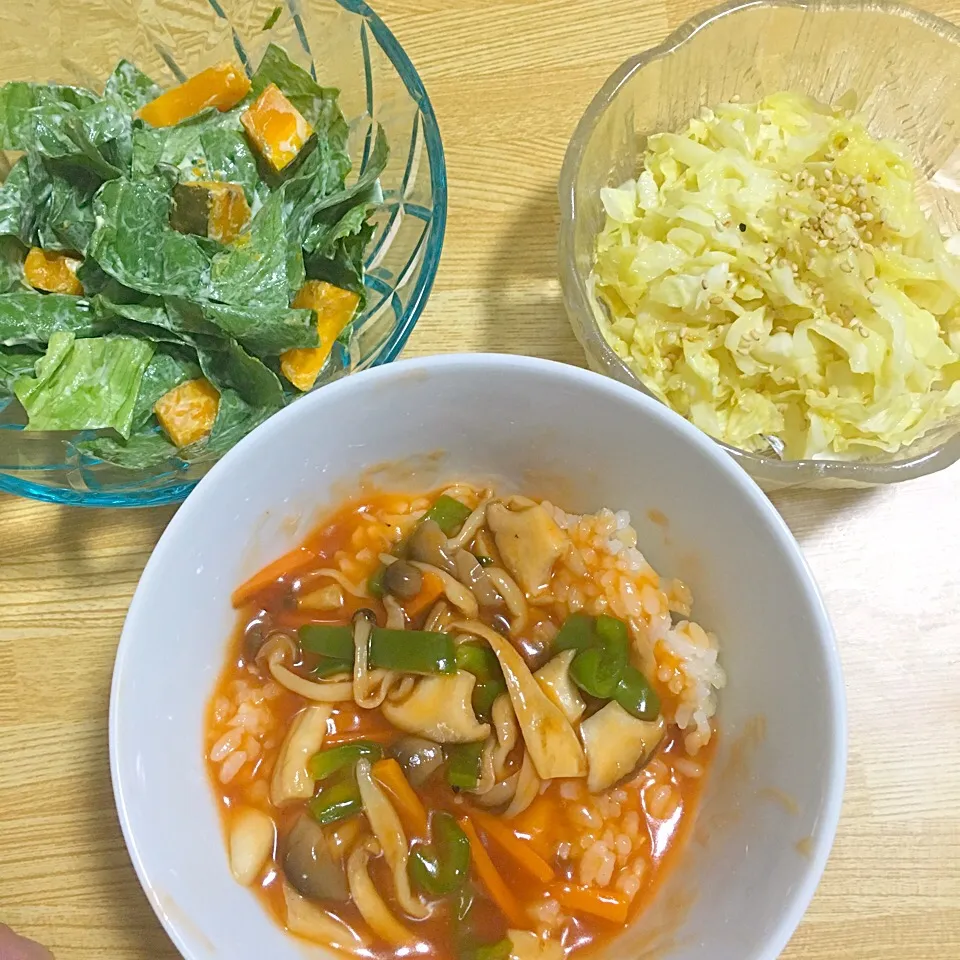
334,309
222,86
210,209
52,272
276,127
188,411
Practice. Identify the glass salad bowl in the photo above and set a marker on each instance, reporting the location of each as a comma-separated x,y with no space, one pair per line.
903,65
345,45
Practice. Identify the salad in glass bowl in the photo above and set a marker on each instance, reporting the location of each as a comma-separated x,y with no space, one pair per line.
192,243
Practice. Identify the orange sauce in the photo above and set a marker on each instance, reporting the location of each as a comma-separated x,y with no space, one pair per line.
547,825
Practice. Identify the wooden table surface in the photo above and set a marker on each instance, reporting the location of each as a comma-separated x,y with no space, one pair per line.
508,79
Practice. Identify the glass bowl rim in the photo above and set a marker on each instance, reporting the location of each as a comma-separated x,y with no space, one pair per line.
177,492
577,298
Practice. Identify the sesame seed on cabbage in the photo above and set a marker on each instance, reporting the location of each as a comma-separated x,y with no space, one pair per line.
771,276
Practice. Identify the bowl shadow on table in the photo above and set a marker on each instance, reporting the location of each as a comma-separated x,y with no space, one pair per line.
811,513
522,310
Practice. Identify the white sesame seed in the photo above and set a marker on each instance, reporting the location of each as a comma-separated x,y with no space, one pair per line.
781,211
862,193
846,268
868,216
735,98
868,235
863,332
828,173
821,242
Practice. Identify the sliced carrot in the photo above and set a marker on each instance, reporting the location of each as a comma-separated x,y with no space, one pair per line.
598,903
491,879
535,824
390,776
291,562
430,591
514,846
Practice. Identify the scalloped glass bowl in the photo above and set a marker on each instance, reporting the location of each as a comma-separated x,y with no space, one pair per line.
348,46
903,64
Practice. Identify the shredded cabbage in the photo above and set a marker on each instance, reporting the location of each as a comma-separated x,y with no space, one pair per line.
771,276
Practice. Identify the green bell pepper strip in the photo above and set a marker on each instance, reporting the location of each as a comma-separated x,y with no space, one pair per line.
636,696
329,761
328,640
611,631
494,951
337,802
375,581
328,667
577,633
407,651
463,765
448,514
440,867
412,651
480,660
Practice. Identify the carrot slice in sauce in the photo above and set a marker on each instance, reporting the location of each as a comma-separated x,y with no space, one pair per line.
391,777
598,903
291,562
514,846
491,879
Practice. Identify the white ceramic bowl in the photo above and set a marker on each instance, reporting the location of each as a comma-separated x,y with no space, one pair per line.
773,797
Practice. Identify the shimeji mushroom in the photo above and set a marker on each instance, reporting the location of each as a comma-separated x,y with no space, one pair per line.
310,864
439,708
369,902
554,680
291,780
309,920
529,541
617,743
251,840
552,743
389,832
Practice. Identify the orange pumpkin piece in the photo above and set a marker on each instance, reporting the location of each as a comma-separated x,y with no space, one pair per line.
276,127
187,412
222,86
210,209
52,272
334,309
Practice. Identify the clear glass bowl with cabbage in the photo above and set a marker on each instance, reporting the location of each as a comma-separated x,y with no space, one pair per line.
729,257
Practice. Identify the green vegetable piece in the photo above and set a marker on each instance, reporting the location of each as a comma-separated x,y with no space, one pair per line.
636,696
440,867
610,630
131,85
591,673
485,561
375,582
577,633
448,514
480,660
463,765
494,951
328,641
339,801
85,384
484,695
329,761
329,667
412,651
408,651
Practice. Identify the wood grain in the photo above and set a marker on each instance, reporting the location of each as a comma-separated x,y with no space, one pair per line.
508,79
